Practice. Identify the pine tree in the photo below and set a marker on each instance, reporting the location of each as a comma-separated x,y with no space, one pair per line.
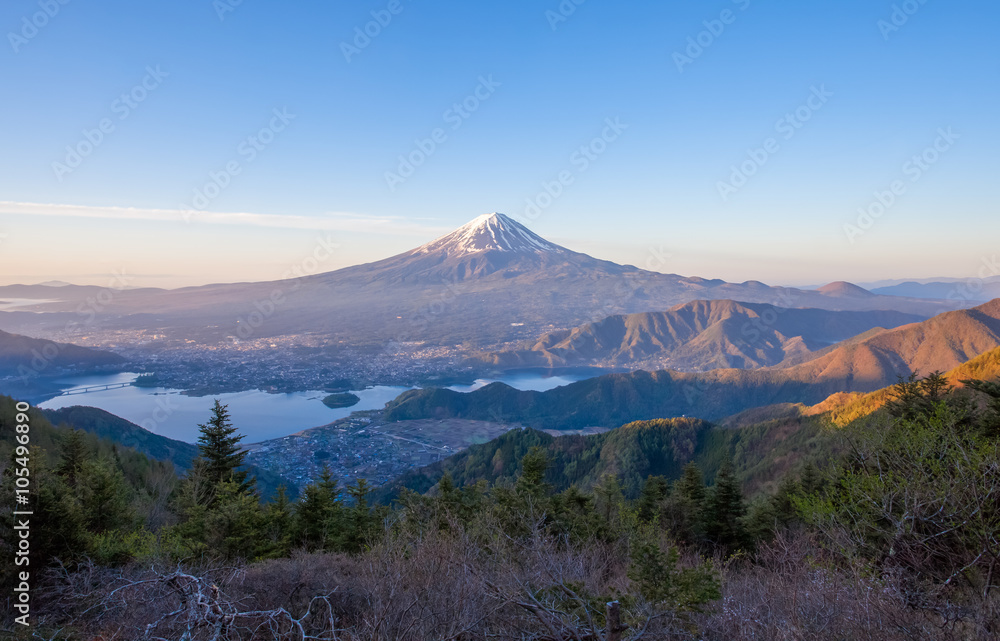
988,422
318,514
234,526
278,524
105,496
75,453
533,467
657,577
906,397
58,525
934,388
811,480
361,523
447,494
724,512
686,506
774,513
220,448
610,499
652,497
575,514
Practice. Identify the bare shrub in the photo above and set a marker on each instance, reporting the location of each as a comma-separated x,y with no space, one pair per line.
795,592
441,584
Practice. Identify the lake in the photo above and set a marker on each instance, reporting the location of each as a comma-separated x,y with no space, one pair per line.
258,415
538,381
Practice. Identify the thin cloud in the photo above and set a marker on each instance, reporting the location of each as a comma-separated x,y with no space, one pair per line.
332,221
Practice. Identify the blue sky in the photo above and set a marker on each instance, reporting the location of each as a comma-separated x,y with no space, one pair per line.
697,89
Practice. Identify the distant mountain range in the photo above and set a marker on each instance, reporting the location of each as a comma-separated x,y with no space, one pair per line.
864,363
700,335
488,282
990,273
973,289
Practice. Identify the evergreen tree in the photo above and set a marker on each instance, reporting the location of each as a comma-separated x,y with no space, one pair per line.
360,521
652,498
576,515
533,467
278,524
685,508
58,526
448,496
319,515
913,397
220,448
659,580
811,481
988,422
934,388
74,453
234,525
105,496
906,397
724,512
774,513
609,498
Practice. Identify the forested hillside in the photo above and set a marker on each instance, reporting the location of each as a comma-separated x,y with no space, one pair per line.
567,541
29,357
114,428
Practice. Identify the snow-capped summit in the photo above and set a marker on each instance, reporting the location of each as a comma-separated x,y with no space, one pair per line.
495,232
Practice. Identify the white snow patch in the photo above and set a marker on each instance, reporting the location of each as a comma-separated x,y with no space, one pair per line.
495,232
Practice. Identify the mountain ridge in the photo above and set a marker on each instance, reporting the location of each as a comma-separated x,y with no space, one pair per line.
940,343
700,335
24,356
470,286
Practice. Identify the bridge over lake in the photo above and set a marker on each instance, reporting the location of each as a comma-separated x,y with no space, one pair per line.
94,388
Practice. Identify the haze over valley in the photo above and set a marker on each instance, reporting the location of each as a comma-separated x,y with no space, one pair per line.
589,321
455,309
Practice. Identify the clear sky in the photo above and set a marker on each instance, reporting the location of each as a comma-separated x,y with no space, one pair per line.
744,135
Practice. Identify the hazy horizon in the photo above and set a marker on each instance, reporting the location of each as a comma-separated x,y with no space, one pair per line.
173,281
613,130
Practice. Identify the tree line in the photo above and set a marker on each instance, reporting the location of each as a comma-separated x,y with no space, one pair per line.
912,507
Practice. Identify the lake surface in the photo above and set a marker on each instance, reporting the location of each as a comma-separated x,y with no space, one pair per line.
257,414
538,382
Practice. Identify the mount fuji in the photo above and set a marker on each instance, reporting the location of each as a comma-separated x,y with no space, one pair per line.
489,246
488,282
489,232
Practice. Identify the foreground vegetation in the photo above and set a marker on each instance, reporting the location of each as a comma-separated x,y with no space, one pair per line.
897,538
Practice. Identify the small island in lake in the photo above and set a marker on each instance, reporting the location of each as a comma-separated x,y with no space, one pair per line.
345,399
